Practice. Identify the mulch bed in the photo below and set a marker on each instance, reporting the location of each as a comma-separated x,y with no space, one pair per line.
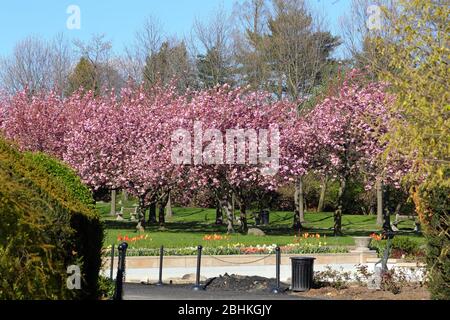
410,292
353,292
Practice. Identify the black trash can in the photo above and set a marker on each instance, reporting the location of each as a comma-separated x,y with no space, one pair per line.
302,273
265,217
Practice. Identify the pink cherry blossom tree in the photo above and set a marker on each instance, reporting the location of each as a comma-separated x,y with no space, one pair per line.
247,119
349,128
149,170
129,140
36,123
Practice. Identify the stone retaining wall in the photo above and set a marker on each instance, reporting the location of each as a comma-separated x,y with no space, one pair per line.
248,260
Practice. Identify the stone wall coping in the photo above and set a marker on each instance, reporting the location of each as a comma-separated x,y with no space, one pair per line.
248,260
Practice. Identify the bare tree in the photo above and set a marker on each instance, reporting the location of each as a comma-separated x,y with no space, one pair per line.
62,62
98,52
211,44
356,30
147,42
38,65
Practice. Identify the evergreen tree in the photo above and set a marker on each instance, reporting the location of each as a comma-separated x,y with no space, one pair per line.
213,69
84,75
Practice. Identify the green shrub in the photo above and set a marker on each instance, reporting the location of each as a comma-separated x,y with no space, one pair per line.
47,224
405,244
32,257
106,287
74,187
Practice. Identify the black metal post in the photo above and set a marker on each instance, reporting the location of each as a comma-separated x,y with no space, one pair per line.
122,248
384,267
277,289
161,255
197,279
112,263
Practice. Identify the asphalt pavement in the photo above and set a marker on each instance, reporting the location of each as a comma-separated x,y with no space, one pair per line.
135,291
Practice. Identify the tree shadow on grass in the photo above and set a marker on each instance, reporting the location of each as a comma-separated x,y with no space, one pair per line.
198,227
349,222
114,224
191,226
281,218
188,214
322,219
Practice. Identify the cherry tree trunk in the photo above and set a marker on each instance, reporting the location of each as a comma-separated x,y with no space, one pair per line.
338,212
379,190
323,188
141,213
162,205
233,204
161,217
113,202
227,206
169,212
299,198
219,214
297,225
243,216
152,212
230,217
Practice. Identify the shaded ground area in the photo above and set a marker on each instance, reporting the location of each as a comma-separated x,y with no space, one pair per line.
184,292
409,292
235,287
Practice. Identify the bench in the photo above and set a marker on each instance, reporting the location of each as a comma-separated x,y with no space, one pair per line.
132,211
399,218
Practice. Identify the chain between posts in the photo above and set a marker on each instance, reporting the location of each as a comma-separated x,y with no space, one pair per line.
197,286
247,262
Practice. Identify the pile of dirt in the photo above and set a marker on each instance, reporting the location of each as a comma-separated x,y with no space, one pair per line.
241,283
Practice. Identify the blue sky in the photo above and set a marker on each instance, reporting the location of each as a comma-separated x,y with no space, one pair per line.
118,19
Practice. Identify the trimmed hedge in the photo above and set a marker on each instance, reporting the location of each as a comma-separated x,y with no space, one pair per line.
47,223
66,176
403,243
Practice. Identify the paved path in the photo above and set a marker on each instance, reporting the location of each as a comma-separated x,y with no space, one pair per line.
134,291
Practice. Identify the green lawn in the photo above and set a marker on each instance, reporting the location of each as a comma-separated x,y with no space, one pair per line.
188,226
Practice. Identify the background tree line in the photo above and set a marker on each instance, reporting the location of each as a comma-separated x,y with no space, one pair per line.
280,46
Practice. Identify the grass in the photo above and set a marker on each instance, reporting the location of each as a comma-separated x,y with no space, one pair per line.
188,226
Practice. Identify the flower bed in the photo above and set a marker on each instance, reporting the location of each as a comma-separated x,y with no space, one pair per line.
401,248
237,249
